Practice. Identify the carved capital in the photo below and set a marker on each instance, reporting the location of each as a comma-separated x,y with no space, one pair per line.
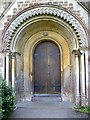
13,54
76,51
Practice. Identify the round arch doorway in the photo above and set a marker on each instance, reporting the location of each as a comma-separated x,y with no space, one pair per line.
47,69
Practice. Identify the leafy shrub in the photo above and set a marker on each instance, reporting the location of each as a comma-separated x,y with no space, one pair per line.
6,99
85,109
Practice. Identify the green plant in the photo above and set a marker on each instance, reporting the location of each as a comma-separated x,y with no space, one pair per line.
6,99
85,109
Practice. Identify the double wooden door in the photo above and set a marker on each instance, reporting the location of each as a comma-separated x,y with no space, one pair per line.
47,72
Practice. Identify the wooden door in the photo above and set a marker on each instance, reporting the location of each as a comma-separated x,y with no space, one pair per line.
47,73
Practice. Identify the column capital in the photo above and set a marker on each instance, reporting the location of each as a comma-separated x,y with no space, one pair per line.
7,54
82,52
76,52
13,54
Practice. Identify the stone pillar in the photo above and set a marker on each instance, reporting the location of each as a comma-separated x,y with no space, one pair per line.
13,70
77,77
77,80
87,72
82,76
8,69
4,67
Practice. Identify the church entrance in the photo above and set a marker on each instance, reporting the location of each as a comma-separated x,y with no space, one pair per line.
47,69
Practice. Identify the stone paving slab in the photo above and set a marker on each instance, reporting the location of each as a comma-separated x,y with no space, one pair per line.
46,107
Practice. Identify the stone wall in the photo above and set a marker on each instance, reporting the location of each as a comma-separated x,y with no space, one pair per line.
72,5
68,84
19,84
89,57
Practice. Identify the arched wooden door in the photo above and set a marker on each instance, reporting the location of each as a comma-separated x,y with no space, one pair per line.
47,72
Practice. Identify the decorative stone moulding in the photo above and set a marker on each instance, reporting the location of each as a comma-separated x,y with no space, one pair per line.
49,10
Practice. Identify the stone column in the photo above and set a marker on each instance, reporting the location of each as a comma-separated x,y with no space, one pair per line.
77,81
87,75
77,77
3,65
13,70
82,76
8,69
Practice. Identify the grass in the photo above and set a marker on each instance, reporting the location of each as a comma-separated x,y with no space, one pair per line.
85,109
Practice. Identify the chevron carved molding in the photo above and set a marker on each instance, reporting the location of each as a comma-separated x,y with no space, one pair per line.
61,14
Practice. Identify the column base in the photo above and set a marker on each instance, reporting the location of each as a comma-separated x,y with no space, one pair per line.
78,101
84,101
27,97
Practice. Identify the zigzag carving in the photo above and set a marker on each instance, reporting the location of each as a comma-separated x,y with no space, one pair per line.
65,16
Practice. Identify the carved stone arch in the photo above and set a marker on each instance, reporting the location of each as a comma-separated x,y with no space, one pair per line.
73,43
32,15
45,10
